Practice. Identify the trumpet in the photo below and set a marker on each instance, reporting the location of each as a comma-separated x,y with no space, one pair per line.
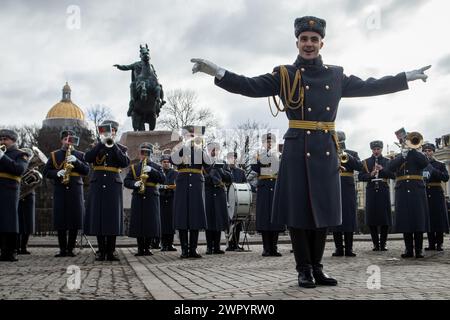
106,133
3,147
109,142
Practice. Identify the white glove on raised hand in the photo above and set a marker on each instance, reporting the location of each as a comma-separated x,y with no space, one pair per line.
2,153
71,158
138,184
61,173
417,74
146,169
426,175
202,65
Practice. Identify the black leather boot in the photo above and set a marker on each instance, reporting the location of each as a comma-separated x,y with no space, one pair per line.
431,241
418,244
170,246
408,238
274,244
266,243
147,245
321,277
164,243
110,248
193,240
22,249
9,243
216,248
337,237
439,241
305,277
209,241
184,244
140,244
383,237
71,243
348,238
375,238
101,243
62,242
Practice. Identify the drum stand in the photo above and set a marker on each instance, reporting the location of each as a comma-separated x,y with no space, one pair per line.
246,224
82,235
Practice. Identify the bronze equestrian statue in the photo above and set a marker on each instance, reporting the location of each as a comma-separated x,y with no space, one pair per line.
146,93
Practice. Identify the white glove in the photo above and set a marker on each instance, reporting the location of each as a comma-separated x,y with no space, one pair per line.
146,169
417,74
138,184
71,158
61,173
2,153
207,67
426,175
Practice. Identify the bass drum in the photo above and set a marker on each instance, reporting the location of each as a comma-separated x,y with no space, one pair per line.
239,201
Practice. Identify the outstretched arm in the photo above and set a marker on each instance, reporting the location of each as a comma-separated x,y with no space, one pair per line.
353,86
262,86
124,67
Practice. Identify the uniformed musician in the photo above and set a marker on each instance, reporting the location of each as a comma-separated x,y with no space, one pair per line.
189,201
343,234
378,199
27,216
167,192
104,211
411,205
217,176
13,163
306,197
238,176
435,174
266,167
68,196
144,179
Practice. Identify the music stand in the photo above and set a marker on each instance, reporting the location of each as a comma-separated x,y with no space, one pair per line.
81,247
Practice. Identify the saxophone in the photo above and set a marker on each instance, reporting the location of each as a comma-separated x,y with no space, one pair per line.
143,177
68,167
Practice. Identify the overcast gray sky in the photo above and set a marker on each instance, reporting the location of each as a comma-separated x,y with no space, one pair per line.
43,44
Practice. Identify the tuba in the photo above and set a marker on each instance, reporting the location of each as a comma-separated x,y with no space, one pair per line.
32,178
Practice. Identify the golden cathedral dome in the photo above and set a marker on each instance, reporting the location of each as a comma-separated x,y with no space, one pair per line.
65,109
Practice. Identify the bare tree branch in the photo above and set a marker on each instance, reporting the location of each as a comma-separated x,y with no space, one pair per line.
97,114
181,110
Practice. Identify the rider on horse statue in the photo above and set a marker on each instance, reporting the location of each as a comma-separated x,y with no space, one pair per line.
144,83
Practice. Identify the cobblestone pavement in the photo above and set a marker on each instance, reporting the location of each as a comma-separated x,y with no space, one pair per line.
41,276
234,275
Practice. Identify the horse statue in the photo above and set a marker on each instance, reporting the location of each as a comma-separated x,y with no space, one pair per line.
146,93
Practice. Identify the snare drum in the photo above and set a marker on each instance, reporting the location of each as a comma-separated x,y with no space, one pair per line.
239,200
